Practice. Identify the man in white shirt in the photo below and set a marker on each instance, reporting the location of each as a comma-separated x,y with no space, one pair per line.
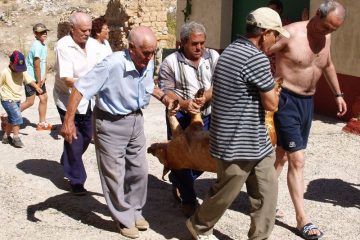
75,56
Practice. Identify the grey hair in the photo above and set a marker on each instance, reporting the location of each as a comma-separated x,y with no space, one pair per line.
78,16
191,28
328,6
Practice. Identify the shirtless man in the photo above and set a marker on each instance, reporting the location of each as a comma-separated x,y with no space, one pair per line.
301,60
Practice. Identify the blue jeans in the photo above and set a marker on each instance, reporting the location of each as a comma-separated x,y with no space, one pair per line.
184,179
12,109
71,159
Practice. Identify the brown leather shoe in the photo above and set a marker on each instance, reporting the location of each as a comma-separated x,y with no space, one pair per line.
142,224
129,232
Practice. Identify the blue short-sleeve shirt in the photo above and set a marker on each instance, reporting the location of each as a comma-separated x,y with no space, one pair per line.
37,50
119,87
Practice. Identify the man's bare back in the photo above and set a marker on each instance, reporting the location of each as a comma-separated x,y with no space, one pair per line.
300,62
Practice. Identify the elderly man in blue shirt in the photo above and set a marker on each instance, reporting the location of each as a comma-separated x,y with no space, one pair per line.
123,84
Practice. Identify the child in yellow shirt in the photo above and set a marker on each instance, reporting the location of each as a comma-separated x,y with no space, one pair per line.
12,79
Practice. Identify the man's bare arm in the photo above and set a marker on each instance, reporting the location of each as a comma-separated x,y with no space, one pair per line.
36,87
208,95
166,100
161,96
68,129
333,82
188,105
270,100
279,46
69,81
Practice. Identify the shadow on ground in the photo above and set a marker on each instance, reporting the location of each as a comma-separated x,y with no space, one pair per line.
335,191
55,131
26,123
161,210
286,226
81,208
164,212
46,169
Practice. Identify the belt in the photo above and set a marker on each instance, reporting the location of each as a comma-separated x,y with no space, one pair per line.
103,114
10,100
136,112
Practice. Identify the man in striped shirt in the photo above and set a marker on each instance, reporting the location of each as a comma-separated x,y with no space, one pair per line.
243,89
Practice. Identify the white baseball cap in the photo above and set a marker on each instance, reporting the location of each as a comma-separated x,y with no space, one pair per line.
267,18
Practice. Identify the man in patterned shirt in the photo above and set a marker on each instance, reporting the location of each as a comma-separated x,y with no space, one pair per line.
181,75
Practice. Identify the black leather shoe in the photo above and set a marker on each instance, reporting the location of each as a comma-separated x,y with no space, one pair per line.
78,189
188,209
176,194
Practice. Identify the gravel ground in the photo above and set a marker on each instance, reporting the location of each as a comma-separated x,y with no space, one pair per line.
35,202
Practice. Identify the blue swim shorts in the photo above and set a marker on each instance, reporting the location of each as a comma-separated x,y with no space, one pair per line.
293,120
12,109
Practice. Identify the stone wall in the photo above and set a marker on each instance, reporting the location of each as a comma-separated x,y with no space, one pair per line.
123,15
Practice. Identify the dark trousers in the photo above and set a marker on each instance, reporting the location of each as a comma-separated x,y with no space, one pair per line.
184,179
71,158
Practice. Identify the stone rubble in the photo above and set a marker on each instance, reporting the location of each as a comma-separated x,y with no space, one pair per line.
17,18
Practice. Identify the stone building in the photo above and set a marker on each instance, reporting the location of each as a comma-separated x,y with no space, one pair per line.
123,15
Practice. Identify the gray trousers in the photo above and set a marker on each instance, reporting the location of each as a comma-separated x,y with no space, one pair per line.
120,151
262,188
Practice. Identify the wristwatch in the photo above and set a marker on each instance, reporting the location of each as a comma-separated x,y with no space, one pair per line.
339,95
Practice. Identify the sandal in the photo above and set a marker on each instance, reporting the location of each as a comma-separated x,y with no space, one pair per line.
304,232
43,126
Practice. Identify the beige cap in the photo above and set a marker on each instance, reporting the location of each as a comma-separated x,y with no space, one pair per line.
39,27
267,18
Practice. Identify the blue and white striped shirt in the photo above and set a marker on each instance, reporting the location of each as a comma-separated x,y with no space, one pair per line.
237,131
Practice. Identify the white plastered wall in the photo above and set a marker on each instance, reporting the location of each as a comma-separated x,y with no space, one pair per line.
216,15
345,49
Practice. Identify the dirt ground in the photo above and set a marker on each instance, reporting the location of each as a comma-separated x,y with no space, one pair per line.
35,202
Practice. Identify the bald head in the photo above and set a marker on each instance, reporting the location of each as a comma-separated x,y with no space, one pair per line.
142,46
331,6
329,17
141,35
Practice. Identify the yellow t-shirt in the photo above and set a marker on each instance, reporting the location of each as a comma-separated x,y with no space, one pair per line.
11,84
